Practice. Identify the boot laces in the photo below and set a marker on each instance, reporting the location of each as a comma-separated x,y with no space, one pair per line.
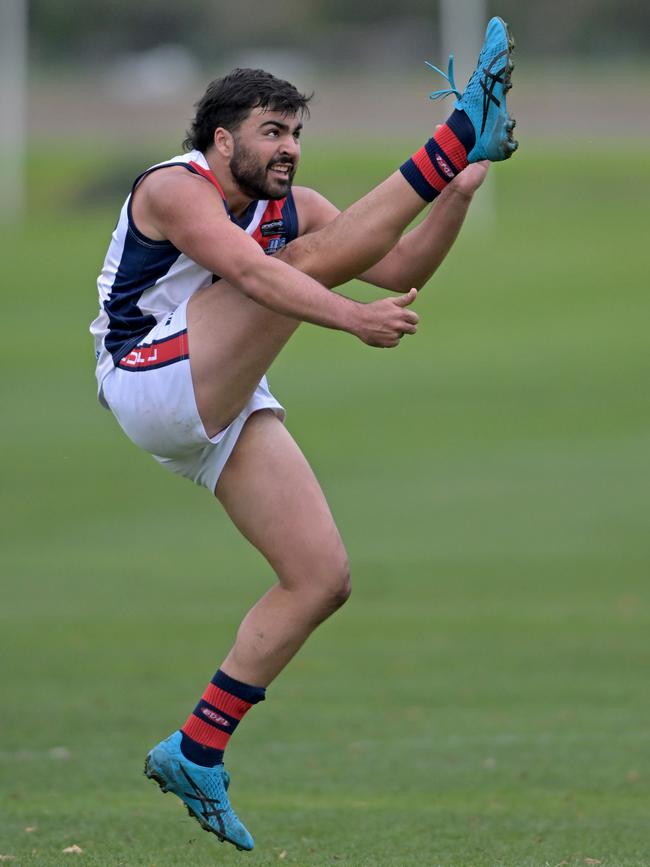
449,78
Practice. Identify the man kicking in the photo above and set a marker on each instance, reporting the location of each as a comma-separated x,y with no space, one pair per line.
193,313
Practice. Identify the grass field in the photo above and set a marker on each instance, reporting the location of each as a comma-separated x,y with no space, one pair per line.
483,700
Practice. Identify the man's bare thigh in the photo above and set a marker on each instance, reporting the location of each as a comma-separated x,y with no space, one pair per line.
233,341
272,495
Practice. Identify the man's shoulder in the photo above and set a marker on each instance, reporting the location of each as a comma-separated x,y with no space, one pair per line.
167,176
169,192
305,195
313,209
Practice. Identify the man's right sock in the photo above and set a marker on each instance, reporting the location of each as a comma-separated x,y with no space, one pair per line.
438,162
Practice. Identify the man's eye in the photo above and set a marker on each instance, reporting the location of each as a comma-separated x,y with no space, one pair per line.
272,132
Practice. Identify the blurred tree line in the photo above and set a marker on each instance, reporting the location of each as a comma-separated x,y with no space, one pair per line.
336,31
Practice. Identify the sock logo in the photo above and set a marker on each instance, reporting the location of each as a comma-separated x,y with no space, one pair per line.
444,166
215,717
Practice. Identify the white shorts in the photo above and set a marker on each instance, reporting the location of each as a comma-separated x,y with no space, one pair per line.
151,395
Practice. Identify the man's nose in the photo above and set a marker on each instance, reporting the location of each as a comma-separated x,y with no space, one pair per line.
290,147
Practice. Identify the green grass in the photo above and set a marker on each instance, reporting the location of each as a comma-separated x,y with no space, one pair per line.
482,700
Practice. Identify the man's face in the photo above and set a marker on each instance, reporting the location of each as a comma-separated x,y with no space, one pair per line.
266,155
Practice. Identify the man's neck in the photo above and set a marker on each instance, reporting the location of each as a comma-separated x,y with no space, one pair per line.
236,200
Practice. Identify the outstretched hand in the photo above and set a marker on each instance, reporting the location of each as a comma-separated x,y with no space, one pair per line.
383,323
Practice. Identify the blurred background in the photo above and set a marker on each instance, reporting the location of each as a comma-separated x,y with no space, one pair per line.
120,75
482,699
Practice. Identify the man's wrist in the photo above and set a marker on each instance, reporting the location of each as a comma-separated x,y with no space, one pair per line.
354,318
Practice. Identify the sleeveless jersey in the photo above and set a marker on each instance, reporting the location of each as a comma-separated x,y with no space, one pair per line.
142,281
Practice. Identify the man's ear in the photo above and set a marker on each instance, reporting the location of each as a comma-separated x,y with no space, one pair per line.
224,142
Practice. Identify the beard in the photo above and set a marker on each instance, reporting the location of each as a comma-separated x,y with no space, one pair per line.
253,178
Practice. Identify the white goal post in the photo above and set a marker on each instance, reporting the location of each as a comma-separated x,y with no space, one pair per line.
13,107
462,28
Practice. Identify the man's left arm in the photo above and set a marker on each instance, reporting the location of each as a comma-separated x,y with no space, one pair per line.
418,253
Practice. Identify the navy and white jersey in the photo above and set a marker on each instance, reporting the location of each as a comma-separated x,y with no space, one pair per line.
143,281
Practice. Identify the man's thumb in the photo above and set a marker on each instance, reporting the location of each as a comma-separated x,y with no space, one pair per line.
406,299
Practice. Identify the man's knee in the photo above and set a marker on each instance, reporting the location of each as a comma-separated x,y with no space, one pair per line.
322,581
335,585
343,585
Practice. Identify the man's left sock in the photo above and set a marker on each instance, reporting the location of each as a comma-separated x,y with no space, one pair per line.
438,162
209,727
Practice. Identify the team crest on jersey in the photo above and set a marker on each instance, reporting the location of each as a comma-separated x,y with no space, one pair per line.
273,227
275,244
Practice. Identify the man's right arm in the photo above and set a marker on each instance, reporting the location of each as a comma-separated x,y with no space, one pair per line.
188,211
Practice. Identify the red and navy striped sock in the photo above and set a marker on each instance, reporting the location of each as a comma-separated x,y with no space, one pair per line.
216,716
438,162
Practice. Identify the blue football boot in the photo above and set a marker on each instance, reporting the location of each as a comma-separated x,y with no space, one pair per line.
202,790
484,99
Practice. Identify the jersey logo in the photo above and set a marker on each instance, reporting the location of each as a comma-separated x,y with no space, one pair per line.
275,244
140,356
273,227
169,350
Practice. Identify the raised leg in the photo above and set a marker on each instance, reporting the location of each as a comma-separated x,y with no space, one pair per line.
233,340
359,236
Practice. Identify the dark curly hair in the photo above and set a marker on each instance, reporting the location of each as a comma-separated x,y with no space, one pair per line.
228,101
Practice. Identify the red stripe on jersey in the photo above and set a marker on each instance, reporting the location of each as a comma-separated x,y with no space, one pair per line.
423,161
157,354
452,146
225,702
209,175
204,734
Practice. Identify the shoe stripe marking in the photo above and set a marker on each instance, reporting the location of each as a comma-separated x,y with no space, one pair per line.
493,78
205,801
